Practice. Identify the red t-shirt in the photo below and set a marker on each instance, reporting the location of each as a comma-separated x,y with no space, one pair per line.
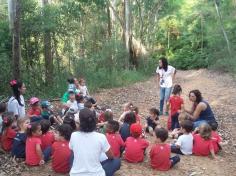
47,140
7,138
201,147
61,157
35,111
32,158
101,118
116,142
134,149
175,104
160,157
216,140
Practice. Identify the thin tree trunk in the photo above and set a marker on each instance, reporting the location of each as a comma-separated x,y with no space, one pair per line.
127,29
222,27
109,25
16,41
48,53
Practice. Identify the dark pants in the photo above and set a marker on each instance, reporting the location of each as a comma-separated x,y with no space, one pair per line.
175,121
175,149
47,153
111,166
174,160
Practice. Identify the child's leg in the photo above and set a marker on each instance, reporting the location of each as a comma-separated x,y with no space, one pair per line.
111,166
174,121
174,160
47,153
150,130
175,149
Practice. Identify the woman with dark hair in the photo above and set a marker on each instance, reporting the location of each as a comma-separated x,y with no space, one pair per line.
16,103
89,147
201,111
165,75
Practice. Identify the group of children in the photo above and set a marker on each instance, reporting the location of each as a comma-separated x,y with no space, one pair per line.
32,139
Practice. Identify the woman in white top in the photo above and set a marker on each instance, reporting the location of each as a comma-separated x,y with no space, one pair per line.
165,75
16,103
88,146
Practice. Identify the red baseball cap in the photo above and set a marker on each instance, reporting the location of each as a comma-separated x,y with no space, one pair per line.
136,128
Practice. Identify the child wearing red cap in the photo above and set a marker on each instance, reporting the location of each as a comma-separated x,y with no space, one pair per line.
135,146
114,138
160,152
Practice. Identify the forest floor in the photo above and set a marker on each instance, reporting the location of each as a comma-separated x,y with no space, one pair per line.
217,88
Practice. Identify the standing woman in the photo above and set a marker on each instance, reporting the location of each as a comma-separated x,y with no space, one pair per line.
165,75
16,103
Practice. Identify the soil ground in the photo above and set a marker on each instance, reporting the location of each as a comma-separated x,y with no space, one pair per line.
217,88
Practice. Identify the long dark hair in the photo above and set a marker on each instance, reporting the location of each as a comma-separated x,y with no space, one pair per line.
164,63
87,120
198,95
16,85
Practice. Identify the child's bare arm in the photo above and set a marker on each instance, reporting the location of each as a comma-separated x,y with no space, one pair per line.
213,154
109,154
40,153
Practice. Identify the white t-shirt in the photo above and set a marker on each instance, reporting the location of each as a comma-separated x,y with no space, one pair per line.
87,149
13,106
185,142
166,76
84,90
73,104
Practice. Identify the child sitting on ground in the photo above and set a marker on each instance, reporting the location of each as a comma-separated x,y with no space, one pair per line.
72,103
34,112
184,144
33,152
135,146
18,147
160,153
2,110
175,104
114,138
127,107
217,140
202,142
152,121
103,119
61,153
136,111
47,137
46,110
125,127
80,101
8,134
84,91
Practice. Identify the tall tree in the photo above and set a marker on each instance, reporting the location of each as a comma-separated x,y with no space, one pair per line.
47,51
14,16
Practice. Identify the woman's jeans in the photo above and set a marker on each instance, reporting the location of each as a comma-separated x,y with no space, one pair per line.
111,166
174,160
164,97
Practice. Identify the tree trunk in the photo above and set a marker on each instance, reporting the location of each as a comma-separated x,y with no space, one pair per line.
109,24
16,41
48,53
126,32
222,27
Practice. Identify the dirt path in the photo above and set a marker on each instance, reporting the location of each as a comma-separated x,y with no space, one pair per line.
218,89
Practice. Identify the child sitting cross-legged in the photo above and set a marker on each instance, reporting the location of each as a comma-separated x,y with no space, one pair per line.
184,144
8,134
202,142
114,138
18,147
125,127
217,140
160,152
34,112
152,121
135,146
33,152
47,137
61,153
